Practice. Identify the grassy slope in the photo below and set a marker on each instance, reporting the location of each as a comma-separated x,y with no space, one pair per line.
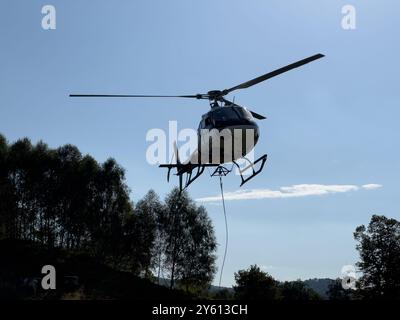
20,259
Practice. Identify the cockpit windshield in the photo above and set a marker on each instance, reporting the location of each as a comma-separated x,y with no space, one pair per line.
225,114
228,115
244,113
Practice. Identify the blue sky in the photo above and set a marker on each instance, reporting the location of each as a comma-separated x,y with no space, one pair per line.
332,122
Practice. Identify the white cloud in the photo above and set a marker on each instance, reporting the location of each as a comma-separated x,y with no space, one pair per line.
294,191
266,268
371,186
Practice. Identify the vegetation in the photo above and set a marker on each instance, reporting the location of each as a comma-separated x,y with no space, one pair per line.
297,291
62,207
379,248
79,276
255,284
337,292
320,286
190,242
61,199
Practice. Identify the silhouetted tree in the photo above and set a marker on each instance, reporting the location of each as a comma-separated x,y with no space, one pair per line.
297,291
254,284
379,248
223,294
190,241
7,202
337,292
197,268
61,198
147,211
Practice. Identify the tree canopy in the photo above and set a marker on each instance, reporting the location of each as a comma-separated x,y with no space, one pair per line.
379,249
255,284
189,241
63,199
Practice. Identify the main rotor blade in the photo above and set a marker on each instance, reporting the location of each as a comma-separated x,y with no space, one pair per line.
196,96
273,73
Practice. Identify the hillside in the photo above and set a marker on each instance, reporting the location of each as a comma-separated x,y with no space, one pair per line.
320,286
78,276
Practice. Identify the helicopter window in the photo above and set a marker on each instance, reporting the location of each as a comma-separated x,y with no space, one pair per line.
223,115
244,113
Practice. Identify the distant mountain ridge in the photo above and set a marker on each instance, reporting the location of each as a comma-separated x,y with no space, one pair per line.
319,285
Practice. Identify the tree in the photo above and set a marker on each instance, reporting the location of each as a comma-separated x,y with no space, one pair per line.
7,223
254,284
337,292
141,231
60,198
297,291
223,294
379,249
198,267
190,241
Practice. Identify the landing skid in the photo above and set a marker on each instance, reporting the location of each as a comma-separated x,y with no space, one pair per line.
188,172
251,165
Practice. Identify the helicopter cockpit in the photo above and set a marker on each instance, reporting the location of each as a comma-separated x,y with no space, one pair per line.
226,117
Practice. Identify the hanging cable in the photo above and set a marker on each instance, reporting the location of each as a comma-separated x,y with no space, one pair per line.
226,230
220,172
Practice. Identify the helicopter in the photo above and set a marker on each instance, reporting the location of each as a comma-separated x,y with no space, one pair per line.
226,121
